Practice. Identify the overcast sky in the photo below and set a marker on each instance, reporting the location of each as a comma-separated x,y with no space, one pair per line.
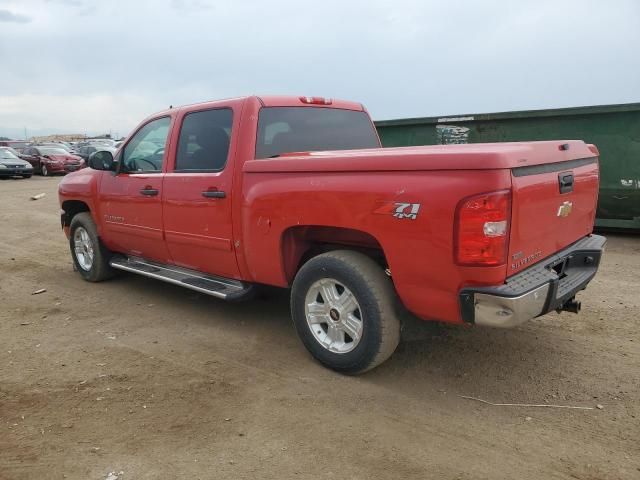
98,66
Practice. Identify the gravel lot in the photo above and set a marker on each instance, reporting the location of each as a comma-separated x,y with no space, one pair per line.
156,381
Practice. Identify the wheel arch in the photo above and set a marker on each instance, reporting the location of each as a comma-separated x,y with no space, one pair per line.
71,208
301,243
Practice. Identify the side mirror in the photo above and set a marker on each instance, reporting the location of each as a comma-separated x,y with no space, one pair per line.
46,156
102,160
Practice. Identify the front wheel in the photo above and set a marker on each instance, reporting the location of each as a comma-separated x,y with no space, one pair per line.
344,310
90,257
44,170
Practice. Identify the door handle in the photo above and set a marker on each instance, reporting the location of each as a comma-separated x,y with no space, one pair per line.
150,192
213,194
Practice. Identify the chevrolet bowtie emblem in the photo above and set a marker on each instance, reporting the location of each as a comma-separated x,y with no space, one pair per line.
565,209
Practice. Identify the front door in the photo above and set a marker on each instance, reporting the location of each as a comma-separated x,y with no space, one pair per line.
197,194
131,200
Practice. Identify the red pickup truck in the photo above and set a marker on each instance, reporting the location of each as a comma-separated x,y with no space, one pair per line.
296,192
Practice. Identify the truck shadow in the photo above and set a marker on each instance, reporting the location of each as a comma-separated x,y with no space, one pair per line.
525,364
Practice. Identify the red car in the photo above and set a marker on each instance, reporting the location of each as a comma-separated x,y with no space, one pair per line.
48,160
296,192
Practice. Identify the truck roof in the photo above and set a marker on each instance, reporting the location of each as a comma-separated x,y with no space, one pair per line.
271,101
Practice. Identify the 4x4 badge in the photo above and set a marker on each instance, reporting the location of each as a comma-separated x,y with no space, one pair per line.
399,210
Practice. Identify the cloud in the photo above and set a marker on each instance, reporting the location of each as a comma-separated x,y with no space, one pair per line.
8,16
97,113
401,58
190,5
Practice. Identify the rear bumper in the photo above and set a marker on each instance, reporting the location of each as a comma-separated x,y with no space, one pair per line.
546,286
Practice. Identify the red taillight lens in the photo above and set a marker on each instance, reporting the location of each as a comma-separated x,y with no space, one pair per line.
482,229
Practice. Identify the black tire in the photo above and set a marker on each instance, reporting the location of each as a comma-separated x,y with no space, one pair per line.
100,269
26,176
43,170
377,300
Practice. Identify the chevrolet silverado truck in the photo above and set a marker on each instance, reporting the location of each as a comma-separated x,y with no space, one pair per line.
296,192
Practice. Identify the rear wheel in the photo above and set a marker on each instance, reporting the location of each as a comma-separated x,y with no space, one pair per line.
44,170
343,308
90,257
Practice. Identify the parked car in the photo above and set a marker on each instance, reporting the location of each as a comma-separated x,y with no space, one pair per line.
87,150
18,145
111,150
13,166
51,160
296,192
12,150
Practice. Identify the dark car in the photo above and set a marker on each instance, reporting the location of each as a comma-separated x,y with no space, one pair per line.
49,160
87,150
13,166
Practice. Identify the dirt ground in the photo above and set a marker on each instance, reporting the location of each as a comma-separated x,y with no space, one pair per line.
148,379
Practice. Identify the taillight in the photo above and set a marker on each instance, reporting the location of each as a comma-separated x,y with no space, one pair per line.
315,100
482,229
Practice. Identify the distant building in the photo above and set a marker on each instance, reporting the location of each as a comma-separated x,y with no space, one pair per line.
66,137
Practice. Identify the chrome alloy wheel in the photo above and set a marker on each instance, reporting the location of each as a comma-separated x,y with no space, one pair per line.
83,248
333,315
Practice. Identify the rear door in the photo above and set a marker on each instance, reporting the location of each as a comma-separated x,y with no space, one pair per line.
553,206
197,192
131,200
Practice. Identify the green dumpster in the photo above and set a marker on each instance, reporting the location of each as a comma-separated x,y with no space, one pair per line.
614,129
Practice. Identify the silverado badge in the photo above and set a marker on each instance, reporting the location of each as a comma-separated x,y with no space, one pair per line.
565,209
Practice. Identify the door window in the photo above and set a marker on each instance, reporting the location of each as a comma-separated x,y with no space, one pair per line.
145,150
204,140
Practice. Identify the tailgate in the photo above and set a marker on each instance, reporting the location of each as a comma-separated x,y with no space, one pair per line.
553,206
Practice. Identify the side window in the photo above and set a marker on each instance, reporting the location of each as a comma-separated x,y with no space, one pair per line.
204,141
145,151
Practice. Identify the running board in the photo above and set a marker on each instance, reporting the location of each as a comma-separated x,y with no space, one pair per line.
220,287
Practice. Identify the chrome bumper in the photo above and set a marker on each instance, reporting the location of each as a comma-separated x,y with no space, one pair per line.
505,312
546,286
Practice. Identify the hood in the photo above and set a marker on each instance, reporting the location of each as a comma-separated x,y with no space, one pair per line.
14,161
66,158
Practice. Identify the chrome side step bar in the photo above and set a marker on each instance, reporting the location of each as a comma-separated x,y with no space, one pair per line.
220,287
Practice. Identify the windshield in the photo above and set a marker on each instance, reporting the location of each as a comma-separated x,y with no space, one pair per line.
10,149
63,147
52,151
7,155
306,129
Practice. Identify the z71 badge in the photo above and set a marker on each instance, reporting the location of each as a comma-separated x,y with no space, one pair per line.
399,210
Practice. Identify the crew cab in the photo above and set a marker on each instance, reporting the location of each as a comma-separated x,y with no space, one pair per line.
296,192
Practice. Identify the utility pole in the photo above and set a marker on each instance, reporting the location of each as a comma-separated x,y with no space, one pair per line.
25,134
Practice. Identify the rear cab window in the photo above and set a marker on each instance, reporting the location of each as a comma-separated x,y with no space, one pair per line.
307,129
